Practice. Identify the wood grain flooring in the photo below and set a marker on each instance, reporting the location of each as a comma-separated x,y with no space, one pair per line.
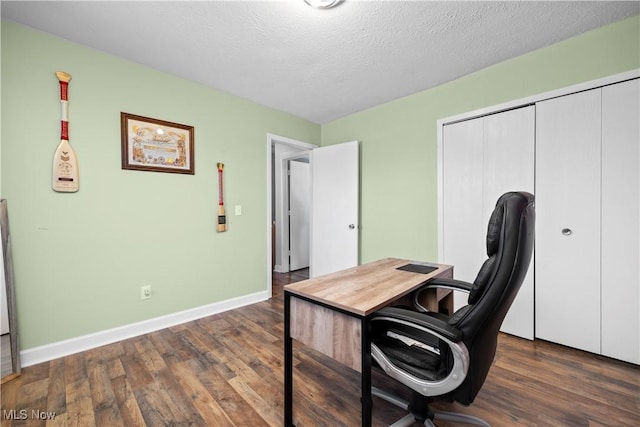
227,370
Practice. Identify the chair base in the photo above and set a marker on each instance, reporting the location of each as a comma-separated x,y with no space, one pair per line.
411,419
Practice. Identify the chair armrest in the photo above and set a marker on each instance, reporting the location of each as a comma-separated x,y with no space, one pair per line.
456,285
431,325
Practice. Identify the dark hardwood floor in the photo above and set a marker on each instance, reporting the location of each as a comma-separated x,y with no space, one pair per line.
227,370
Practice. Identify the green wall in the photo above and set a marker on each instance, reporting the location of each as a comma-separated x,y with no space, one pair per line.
80,258
398,139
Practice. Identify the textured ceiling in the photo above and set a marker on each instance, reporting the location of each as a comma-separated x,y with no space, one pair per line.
317,64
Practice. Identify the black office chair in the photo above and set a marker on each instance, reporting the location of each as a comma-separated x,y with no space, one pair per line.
448,357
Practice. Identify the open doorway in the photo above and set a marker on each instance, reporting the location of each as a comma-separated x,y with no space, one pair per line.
281,151
334,214
299,205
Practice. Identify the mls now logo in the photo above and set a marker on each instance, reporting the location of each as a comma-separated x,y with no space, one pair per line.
23,414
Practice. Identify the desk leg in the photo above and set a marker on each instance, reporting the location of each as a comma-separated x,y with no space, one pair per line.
288,364
366,373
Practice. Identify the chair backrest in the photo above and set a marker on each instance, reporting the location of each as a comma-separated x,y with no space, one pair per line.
510,237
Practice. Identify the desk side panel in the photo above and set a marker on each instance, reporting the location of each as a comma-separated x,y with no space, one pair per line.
347,340
330,332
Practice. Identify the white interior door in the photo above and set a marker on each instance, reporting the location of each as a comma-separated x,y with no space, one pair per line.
463,243
621,221
482,159
334,208
509,162
567,266
299,212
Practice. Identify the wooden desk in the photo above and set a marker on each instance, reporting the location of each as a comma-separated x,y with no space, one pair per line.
330,313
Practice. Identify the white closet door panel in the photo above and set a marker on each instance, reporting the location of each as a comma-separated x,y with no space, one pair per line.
462,201
509,162
621,221
567,267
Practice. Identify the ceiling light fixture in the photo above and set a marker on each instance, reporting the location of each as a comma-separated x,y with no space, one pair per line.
323,4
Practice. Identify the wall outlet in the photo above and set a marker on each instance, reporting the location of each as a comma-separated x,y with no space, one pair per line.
145,292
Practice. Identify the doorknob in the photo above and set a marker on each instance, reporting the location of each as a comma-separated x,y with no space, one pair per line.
352,226
566,232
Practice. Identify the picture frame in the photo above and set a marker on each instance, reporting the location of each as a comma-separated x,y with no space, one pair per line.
156,145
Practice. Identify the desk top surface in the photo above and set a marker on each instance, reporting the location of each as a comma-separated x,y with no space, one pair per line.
366,288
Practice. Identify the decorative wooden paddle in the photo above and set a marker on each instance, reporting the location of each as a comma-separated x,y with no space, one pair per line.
65,165
222,218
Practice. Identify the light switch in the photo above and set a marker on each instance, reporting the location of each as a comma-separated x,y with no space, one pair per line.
238,210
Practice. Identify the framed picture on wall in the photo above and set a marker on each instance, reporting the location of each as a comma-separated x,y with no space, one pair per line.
156,145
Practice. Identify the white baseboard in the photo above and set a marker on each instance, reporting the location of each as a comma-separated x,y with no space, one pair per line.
280,269
44,353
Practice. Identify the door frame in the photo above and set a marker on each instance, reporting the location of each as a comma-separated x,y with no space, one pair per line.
301,147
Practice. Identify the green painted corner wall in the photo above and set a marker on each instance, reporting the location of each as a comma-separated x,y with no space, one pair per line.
81,258
398,139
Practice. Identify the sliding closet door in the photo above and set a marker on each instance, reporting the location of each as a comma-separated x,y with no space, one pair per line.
484,158
621,221
509,161
567,258
463,244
